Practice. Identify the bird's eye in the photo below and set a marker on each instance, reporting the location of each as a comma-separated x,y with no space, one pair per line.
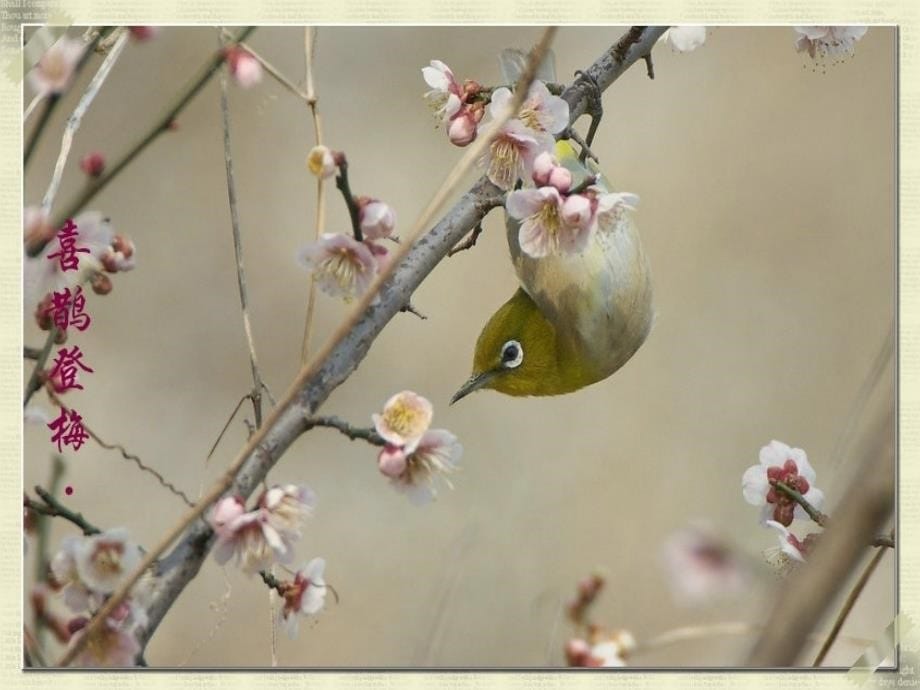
512,354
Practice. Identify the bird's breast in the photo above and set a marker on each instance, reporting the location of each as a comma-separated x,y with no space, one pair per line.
599,301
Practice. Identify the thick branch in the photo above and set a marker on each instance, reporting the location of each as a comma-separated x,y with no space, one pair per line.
182,564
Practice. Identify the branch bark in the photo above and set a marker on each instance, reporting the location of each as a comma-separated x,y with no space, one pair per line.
174,571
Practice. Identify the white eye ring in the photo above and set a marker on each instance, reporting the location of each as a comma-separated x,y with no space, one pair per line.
512,354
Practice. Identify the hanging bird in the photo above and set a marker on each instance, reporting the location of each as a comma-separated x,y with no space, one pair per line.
575,319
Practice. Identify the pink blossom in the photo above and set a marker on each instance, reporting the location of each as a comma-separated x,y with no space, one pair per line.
683,39
544,228
780,463
541,112
606,650
446,95
112,645
611,207
512,152
342,266
144,33
406,417
436,456
245,69
789,544
305,596
288,507
103,561
77,595
463,127
55,69
392,461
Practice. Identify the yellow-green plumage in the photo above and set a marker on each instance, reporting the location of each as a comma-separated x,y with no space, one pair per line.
577,317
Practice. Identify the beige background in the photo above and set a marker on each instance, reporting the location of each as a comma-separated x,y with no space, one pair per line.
767,210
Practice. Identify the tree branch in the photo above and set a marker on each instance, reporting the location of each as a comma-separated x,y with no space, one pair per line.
340,357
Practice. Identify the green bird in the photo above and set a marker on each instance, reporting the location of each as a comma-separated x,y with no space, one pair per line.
577,317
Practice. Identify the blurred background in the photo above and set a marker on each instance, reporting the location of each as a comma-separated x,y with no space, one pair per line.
767,210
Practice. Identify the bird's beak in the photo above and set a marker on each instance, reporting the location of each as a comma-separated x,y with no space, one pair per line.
474,383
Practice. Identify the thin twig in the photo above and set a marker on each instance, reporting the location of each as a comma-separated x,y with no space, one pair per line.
43,527
272,582
226,426
341,183
38,371
352,432
74,121
702,632
55,98
467,244
162,124
309,47
410,309
31,107
254,445
31,352
848,605
256,394
815,514
275,73
53,508
128,456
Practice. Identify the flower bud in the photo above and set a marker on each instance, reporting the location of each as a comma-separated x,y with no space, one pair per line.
377,219
543,166
245,69
101,283
561,179
93,164
321,162
577,211
392,461
462,129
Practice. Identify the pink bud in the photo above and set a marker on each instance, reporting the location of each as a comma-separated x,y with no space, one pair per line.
543,166
576,210
561,179
77,624
377,218
93,164
462,129
392,461
246,70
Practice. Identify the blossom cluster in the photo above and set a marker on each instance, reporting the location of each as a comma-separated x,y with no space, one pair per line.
265,536
85,571
413,456
108,253
345,265
557,219
772,485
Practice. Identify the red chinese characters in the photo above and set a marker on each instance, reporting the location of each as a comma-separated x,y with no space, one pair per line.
67,247
68,430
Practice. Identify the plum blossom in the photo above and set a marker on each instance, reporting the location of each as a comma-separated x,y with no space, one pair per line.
541,112
611,207
516,146
107,251
321,162
114,644
780,463
417,472
511,154
54,71
342,266
446,94
405,419
259,538
828,41
103,561
684,39
306,595
789,544
609,650
547,217
245,69
77,596
700,567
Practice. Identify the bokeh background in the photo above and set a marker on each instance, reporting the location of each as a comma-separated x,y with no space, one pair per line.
767,188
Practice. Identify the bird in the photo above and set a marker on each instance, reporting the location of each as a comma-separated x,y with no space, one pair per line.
576,318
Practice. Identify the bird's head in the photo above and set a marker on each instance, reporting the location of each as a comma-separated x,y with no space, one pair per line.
518,353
